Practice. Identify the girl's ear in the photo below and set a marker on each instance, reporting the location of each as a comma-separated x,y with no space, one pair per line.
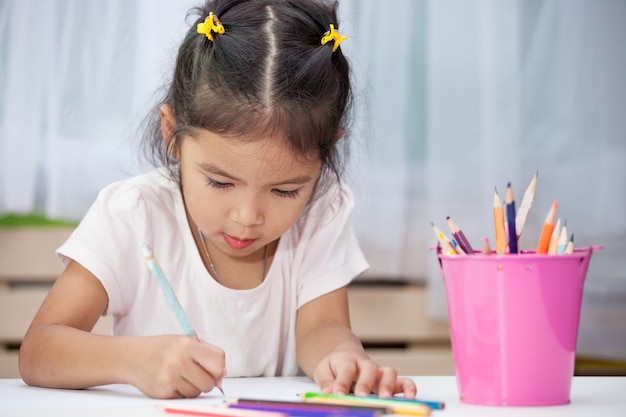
168,124
339,135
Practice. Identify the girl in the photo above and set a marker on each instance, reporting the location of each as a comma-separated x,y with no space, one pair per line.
247,215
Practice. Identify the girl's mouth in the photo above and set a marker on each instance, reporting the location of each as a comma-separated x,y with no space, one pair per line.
236,243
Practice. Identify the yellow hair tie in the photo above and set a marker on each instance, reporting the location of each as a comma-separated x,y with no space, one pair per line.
333,35
211,24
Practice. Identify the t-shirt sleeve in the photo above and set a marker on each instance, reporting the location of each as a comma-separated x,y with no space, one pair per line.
106,241
329,253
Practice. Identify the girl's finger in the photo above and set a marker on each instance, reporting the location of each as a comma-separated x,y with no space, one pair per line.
368,375
345,374
406,386
387,381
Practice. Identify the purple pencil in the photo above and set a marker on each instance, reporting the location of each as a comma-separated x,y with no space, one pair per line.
459,236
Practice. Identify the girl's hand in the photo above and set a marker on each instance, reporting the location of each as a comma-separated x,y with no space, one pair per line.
175,366
345,372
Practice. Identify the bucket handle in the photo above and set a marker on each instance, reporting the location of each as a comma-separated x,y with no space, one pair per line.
584,261
438,251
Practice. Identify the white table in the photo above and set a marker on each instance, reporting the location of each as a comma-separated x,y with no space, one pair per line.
590,397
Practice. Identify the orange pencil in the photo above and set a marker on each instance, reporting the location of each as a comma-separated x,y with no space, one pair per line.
554,240
548,228
498,221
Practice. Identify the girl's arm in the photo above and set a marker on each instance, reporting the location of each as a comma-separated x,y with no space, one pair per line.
330,353
60,351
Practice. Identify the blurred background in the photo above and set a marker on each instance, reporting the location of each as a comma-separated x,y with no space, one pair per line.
454,98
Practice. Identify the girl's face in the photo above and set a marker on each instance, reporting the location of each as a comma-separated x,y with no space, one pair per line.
242,194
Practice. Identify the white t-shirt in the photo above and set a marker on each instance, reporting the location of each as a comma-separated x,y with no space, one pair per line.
255,327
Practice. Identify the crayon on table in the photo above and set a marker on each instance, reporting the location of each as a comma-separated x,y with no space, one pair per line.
413,408
304,409
300,404
216,411
435,405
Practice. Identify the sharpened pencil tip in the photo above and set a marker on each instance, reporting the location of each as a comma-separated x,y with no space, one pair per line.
146,250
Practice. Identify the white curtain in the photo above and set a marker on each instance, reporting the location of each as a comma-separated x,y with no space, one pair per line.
454,97
458,97
76,79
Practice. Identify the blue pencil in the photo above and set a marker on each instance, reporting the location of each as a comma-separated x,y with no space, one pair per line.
510,217
435,405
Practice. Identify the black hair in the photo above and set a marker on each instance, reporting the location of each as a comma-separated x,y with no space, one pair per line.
268,73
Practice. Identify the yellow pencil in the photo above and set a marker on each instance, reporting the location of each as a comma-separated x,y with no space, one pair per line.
498,220
447,247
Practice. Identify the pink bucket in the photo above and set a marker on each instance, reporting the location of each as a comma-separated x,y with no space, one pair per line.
514,324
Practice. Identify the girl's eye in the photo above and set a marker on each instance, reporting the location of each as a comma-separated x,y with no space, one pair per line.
217,184
285,194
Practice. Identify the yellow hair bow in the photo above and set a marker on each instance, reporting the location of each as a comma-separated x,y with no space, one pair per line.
333,35
211,24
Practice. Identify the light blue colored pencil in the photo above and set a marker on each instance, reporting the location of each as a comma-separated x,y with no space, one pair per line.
157,272
170,296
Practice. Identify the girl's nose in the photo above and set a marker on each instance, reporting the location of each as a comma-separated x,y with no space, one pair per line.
247,213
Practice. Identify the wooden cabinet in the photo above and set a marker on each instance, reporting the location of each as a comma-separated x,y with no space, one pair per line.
28,267
391,321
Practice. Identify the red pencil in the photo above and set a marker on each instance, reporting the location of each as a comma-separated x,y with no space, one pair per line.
217,411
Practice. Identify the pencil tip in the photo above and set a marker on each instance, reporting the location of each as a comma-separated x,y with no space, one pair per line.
146,250
447,217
